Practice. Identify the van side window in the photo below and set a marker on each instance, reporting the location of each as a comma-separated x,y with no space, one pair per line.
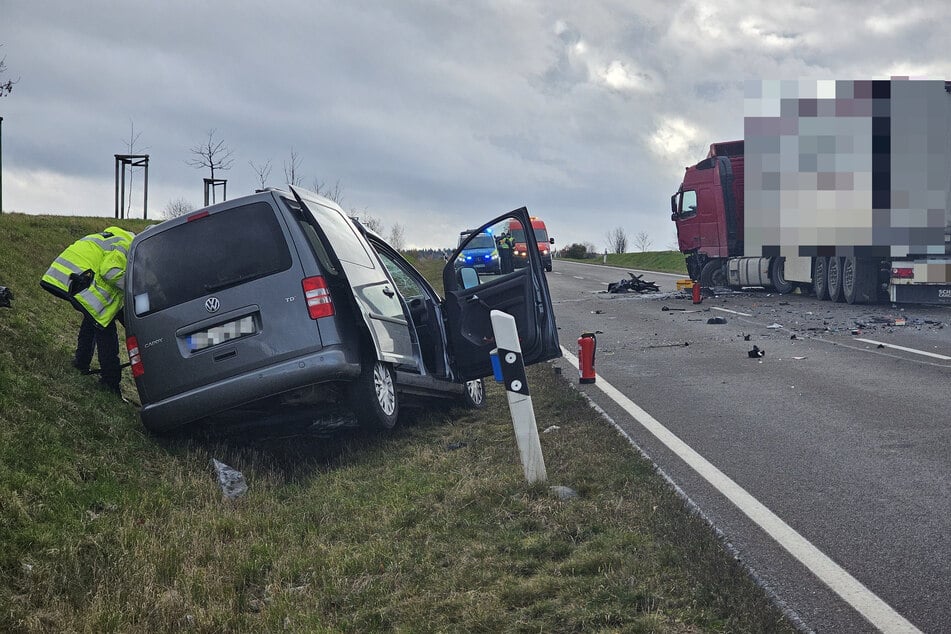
340,234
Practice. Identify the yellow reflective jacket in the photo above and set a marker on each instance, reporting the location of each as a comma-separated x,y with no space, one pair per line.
91,273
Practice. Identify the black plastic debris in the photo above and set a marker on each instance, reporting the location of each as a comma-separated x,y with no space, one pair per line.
747,337
794,337
633,285
5,296
756,353
717,320
881,345
668,308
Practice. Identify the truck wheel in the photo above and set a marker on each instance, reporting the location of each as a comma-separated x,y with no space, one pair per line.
777,275
835,279
373,396
712,274
859,280
820,279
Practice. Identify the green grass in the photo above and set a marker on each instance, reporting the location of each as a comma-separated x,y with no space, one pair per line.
663,261
431,528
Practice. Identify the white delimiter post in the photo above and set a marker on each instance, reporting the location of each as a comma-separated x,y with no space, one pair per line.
520,403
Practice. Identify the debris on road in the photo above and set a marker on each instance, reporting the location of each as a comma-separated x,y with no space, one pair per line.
231,480
717,320
747,337
635,285
551,428
667,308
756,353
774,326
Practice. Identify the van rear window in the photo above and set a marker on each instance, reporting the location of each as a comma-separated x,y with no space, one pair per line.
207,255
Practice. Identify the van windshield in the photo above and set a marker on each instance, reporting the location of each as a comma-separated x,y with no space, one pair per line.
540,234
207,255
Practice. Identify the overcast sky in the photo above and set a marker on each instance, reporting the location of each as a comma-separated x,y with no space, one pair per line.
433,115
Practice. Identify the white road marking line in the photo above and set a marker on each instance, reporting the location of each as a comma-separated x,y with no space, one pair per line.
903,348
852,591
735,312
577,277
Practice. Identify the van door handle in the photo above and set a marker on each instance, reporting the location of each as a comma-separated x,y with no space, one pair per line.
388,291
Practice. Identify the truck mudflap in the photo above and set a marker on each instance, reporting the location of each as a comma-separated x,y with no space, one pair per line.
920,293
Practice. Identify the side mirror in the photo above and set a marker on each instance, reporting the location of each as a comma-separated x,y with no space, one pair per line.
469,277
551,240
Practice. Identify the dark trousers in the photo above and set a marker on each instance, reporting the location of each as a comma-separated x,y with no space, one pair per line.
106,341
505,260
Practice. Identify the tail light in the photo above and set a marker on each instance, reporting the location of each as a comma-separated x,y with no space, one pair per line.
903,273
317,296
132,345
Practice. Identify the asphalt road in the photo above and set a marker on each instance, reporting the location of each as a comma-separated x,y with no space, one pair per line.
844,443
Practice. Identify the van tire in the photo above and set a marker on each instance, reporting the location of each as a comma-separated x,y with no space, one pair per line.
373,396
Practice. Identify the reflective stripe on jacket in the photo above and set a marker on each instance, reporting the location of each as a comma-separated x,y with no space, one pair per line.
103,256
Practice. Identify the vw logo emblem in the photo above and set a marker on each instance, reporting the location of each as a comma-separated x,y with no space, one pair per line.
212,304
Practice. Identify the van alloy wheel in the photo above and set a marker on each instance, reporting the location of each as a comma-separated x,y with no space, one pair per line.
474,396
385,390
373,396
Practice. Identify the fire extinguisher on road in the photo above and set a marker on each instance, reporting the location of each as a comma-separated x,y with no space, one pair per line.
587,345
697,293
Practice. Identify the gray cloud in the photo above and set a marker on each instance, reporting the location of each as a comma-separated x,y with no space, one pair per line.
429,114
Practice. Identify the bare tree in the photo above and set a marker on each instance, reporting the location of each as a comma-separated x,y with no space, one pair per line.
177,207
292,170
131,148
214,155
262,171
368,220
617,240
6,87
397,239
642,241
334,193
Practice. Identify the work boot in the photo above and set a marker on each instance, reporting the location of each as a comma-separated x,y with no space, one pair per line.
83,368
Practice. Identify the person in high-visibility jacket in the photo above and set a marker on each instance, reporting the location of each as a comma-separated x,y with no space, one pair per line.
90,275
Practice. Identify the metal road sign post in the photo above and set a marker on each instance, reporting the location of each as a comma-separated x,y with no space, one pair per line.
520,403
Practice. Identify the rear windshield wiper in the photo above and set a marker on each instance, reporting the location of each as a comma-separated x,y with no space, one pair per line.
211,288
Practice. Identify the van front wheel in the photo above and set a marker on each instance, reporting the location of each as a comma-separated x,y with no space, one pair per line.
374,398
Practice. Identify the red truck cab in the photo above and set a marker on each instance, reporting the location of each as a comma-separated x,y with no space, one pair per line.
708,208
543,243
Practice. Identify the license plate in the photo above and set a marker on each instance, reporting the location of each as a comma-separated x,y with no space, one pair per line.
220,334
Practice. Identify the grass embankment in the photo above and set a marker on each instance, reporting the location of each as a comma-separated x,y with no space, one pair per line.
663,261
432,528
